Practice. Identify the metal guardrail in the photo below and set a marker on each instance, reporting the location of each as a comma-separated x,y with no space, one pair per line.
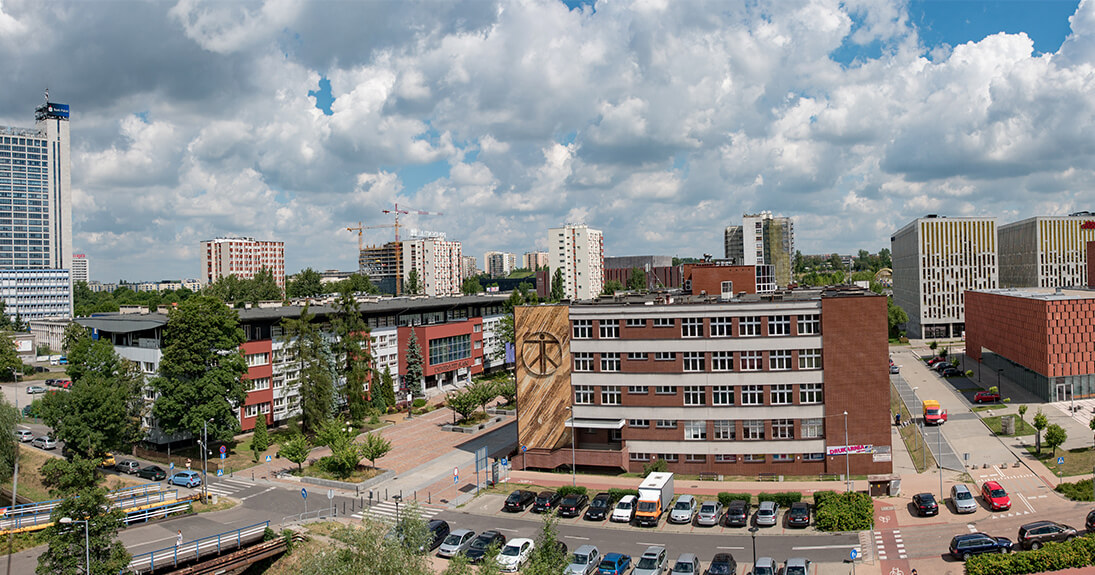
156,512
198,548
47,506
317,514
43,519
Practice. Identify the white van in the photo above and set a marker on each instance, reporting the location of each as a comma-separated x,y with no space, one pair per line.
624,511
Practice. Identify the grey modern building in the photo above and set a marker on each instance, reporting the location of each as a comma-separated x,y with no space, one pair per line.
1046,251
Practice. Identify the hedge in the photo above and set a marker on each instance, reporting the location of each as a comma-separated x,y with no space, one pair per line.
843,511
1078,491
1079,552
725,498
568,489
782,498
617,494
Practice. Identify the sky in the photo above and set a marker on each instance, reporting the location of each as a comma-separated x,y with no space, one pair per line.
658,122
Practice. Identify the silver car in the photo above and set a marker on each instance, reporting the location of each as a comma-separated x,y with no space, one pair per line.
456,543
44,442
709,514
683,510
584,560
767,513
797,566
654,561
964,501
765,566
687,564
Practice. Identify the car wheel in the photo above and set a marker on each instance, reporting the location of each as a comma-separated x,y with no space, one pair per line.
963,556
1036,545
1001,550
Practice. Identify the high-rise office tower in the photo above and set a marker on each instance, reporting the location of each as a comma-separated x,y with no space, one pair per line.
81,269
241,257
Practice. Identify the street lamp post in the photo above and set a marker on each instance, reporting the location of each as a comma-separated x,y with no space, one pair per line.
939,462
847,456
205,450
753,531
573,439
87,542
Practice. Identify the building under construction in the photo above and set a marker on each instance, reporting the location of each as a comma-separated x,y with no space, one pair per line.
384,266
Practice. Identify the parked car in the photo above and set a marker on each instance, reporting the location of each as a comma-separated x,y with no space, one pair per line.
584,560
545,502
709,513
572,505
44,442
683,509
127,466
797,566
765,566
722,564
925,504
439,530
28,410
598,508
514,555
1089,523
967,544
766,513
107,460
936,360
519,500
479,546
614,564
962,498
186,479
995,496
33,389
1034,535
737,513
895,368
23,435
687,564
153,472
51,382
951,371
64,383
455,543
986,397
40,369
799,514
655,561
625,509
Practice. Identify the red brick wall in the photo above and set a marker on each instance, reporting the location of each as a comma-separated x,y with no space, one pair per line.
1016,328
708,278
424,333
1071,337
257,372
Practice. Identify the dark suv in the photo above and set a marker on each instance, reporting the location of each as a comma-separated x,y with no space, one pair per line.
572,504
925,504
798,515
479,546
722,564
967,544
737,514
519,500
599,507
1034,535
439,530
545,502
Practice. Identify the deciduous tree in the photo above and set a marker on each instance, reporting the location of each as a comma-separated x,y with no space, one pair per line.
68,545
547,557
412,286
637,280
463,402
1040,422
9,448
307,283
296,450
1055,437
611,287
374,446
558,287
471,286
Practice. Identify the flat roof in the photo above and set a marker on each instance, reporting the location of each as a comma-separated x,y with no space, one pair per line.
1046,294
677,297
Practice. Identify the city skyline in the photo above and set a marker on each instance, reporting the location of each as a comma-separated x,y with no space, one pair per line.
658,126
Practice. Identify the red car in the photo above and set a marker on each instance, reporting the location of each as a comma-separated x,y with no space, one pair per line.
986,397
995,496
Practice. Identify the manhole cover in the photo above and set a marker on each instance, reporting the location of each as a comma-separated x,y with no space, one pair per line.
467,488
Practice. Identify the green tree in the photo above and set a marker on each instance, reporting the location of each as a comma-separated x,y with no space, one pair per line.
546,558
1040,422
611,287
345,454
9,447
308,283
484,392
504,332
558,287
296,450
351,351
306,346
1055,437
356,283
263,287
471,286
68,544
87,355
508,390
413,377
463,402
885,260
368,548
200,378
9,359
1023,411
387,387
459,565
637,280
64,478
260,440
412,286
74,332
374,446
103,408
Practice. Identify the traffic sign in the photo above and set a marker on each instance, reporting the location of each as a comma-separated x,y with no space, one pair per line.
854,554
268,459
455,471
505,462
224,449
220,472
304,493
1060,460
455,479
524,448
330,494
171,465
223,456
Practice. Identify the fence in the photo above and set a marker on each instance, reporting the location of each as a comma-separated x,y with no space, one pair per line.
194,550
316,514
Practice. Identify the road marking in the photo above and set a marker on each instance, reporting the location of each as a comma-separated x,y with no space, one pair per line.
651,544
731,548
259,493
506,530
575,537
815,547
1025,501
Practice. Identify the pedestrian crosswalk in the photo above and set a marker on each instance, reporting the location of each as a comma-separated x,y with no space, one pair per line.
388,510
226,487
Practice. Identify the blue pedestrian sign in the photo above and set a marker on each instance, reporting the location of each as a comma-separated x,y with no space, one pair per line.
223,456
171,465
268,459
524,448
304,493
854,554
455,479
1060,460
505,462
220,472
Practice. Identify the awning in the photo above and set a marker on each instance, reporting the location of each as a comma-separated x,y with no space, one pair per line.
597,423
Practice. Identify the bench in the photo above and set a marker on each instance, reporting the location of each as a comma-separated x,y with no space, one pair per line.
827,477
708,476
767,477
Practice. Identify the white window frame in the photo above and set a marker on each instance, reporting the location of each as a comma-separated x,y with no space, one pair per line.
810,393
722,361
610,395
259,384
752,430
752,361
635,322
722,395
812,428
665,390
583,395
583,361
668,457
695,430
752,395
665,424
695,458
638,390
609,329
722,327
813,457
725,430
665,356
610,362
753,458
257,359
636,356
782,458
639,457
749,326
809,359
725,458
809,324
779,325
695,395
694,361
663,322
783,429
691,327
779,360
638,423
582,329
782,394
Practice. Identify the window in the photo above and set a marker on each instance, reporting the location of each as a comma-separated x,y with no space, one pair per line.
779,325
449,349
610,395
639,457
610,362
636,356
722,395
632,322
753,458
693,361
692,327
610,329
779,360
477,328
752,430
726,458
749,326
669,457
583,395
722,361
583,361
583,329
809,393
783,429
259,384
809,359
666,424
695,430
695,458
752,361
256,359
722,327
782,394
665,355
665,390
643,423
809,325
694,395
812,428
813,457
251,411
752,395
637,390
782,457
724,430
663,322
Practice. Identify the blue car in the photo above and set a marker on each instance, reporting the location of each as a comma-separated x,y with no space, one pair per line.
614,564
186,479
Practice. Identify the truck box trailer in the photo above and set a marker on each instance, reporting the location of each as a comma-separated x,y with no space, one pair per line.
655,493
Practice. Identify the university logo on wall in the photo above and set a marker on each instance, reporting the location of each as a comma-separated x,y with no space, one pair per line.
541,353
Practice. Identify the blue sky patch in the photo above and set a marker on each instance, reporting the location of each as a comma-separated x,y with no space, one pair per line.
323,96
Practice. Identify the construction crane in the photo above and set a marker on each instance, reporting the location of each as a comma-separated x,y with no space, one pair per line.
398,212
360,229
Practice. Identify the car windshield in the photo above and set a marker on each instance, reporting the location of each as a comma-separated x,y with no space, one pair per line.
453,539
607,564
570,500
543,499
513,497
928,500
794,570
761,511
995,493
680,567
708,509
625,505
682,505
598,503
930,412
963,495
648,563
763,570
646,506
510,550
719,569
480,543
579,559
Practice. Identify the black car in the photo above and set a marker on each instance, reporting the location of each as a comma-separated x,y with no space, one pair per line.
572,505
545,502
519,500
737,514
439,530
963,546
951,371
599,507
798,515
925,504
478,548
1090,522
1034,535
722,564
153,472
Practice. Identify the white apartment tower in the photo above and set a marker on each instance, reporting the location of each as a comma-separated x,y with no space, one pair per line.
438,263
579,251
1046,251
534,260
81,269
935,261
241,257
499,264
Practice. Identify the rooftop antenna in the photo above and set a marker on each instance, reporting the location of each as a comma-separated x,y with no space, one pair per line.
47,95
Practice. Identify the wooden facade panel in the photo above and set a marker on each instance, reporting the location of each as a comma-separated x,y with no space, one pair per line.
542,335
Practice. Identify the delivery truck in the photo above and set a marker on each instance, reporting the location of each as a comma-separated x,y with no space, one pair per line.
655,493
933,414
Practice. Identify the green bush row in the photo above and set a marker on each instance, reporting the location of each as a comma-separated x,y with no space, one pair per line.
725,498
568,489
617,494
1079,552
1078,491
843,511
782,498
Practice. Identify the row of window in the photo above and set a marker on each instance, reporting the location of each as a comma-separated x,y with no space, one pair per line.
696,361
726,429
693,327
727,458
697,395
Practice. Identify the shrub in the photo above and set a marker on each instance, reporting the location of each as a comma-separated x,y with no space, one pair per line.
656,465
782,498
725,498
820,497
419,403
843,511
568,489
617,494
1079,552
1078,491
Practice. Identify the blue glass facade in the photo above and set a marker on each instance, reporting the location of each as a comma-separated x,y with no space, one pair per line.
24,201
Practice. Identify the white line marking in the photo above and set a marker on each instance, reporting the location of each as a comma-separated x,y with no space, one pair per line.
575,537
813,547
650,544
731,548
259,493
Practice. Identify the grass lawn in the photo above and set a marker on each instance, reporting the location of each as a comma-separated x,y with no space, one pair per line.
221,504
357,476
30,482
980,408
914,442
1021,426
1077,461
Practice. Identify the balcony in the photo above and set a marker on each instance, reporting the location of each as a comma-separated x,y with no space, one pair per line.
612,455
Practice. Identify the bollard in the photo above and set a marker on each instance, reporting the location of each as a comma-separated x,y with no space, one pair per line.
429,497
416,495
344,507
252,476
385,494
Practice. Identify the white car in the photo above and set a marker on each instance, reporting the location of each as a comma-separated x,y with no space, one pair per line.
624,511
514,555
23,435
